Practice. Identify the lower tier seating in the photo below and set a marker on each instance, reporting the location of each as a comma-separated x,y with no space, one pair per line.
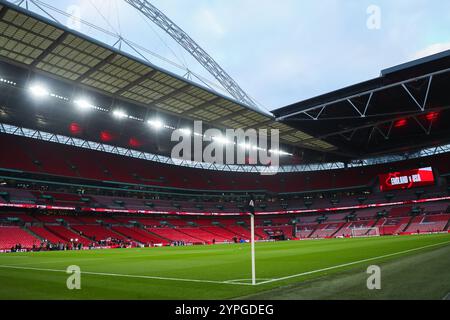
11,236
46,235
68,235
139,235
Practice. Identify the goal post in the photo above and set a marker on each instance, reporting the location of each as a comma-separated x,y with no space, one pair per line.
365,232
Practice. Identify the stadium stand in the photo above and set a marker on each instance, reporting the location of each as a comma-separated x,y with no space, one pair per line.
119,183
424,224
97,232
111,167
167,229
174,235
46,235
139,235
60,192
68,235
11,236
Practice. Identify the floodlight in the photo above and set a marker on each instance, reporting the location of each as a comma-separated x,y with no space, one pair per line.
83,104
119,114
186,131
39,91
221,139
245,146
280,152
156,123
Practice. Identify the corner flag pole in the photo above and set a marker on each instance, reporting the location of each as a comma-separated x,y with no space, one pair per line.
251,207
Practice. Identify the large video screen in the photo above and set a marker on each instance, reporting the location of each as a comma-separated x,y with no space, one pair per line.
406,179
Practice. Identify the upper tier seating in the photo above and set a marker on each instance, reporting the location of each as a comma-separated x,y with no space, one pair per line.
30,155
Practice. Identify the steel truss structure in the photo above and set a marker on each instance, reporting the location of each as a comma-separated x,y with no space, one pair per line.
316,113
369,94
183,39
176,33
91,145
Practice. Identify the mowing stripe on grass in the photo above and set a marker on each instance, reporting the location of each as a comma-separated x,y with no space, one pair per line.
53,261
226,282
127,275
350,263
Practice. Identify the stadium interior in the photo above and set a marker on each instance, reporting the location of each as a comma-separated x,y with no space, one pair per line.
85,139
95,204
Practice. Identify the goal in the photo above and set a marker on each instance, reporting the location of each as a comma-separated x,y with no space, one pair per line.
365,232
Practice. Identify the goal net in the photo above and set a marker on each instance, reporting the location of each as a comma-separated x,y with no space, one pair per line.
365,232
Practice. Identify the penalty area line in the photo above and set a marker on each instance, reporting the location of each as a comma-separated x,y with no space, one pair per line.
128,275
350,263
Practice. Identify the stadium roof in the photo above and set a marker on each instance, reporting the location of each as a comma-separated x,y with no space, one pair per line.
45,47
405,108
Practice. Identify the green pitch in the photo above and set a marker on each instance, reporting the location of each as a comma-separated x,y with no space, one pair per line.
329,269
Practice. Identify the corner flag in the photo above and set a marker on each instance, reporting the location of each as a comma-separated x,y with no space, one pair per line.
251,205
251,209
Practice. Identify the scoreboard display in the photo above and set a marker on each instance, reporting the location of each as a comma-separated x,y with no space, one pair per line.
406,179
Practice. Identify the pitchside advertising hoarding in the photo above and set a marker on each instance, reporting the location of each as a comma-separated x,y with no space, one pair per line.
406,179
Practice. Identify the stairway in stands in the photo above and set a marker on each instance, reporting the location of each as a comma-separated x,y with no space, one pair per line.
155,235
345,225
314,230
408,224
190,235
447,226
124,235
32,233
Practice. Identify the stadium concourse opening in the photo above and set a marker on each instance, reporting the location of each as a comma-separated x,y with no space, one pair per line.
85,134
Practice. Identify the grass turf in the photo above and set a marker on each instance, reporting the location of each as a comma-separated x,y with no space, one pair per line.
133,273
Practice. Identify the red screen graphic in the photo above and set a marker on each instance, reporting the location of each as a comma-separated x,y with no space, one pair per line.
406,179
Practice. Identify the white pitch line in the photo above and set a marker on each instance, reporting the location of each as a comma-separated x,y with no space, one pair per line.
55,261
238,281
127,275
229,282
350,263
